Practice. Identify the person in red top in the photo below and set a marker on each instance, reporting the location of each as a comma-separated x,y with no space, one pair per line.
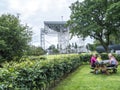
93,60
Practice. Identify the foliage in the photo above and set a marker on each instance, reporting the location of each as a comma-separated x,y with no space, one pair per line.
92,47
14,37
36,74
98,19
53,50
113,16
40,72
35,51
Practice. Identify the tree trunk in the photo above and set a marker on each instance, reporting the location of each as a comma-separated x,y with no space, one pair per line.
106,48
105,45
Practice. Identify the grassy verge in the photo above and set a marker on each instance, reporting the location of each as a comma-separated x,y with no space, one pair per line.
82,79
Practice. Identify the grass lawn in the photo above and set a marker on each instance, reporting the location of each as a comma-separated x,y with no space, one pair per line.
82,79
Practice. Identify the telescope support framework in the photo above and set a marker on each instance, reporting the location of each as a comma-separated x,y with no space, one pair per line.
56,27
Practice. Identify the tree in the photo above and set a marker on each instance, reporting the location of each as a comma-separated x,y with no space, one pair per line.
34,50
76,46
73,45
58,46
51,47
92,18
113,16
115,39
53,50
68,48
92,47
14,37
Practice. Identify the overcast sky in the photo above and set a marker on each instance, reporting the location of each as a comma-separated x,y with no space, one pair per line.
35,12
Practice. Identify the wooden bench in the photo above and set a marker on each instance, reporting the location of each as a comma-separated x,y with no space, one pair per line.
113,69
108,69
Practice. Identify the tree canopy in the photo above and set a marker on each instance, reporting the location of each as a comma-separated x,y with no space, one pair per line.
99,19
53,50
35,51
14,36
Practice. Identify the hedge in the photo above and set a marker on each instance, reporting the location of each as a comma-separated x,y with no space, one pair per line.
32,74
36,74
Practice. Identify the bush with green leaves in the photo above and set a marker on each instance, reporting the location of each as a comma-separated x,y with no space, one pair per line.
35,51
38,74
14,37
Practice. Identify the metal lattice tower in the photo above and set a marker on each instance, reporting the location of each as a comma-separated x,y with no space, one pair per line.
56,27
42,38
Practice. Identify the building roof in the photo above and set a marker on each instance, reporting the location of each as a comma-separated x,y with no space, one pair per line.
56,25
55,22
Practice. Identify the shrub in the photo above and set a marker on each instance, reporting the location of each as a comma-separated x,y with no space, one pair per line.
40,74
14,37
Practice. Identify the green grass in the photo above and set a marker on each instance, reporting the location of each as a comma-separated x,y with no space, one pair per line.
82,79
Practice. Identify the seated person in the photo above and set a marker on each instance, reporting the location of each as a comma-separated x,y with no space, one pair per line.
93,60
99,59
113,62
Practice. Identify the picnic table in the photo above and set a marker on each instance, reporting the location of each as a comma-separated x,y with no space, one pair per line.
104,64
105,61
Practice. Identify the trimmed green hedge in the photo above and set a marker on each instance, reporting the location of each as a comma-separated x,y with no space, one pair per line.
37,74
33,73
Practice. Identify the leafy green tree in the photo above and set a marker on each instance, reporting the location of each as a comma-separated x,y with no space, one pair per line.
34,50
51,47
53,50
73,45
76,46
113,16
68,48
93,18
58,46
14,37
115,39
92,47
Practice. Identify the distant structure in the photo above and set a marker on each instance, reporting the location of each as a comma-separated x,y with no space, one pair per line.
59,28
